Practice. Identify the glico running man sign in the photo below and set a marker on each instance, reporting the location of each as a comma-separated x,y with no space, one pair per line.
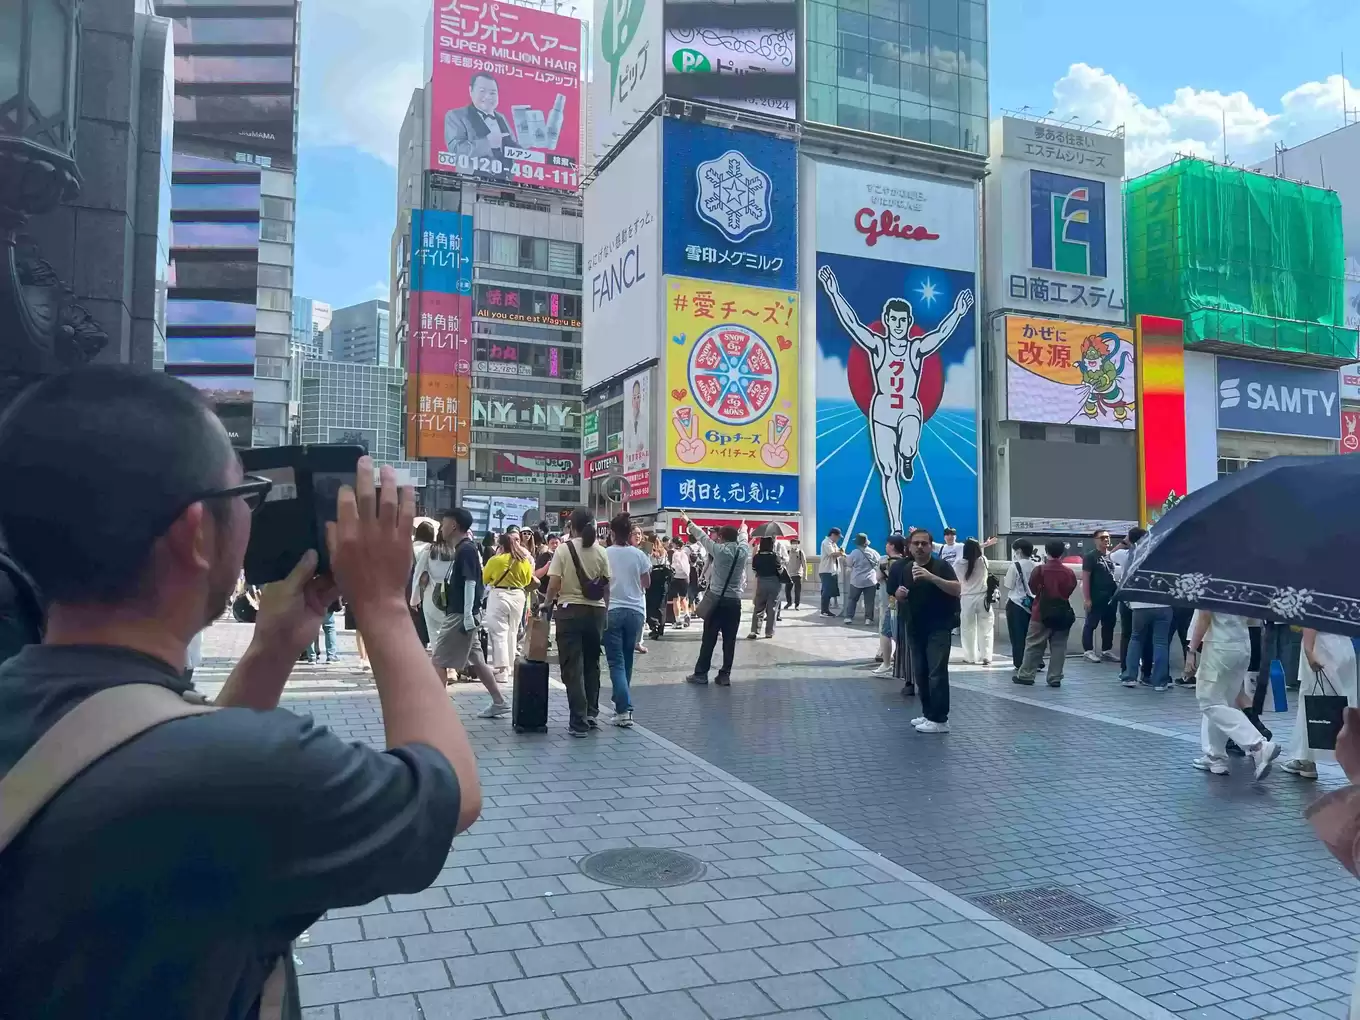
506,94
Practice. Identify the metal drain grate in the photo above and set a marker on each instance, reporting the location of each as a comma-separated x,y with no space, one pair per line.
1048,912
642,867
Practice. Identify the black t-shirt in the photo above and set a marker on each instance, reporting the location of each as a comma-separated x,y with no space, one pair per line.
467,566
1101,568
543,558
168,878
765,564
929,608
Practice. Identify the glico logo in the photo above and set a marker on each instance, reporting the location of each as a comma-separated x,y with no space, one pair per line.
1067,224
888,224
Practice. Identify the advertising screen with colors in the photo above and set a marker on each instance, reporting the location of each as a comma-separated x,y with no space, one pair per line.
506,94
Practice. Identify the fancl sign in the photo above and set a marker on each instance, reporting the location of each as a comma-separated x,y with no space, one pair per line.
1285,400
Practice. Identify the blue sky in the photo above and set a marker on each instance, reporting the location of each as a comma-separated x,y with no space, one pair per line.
1171,71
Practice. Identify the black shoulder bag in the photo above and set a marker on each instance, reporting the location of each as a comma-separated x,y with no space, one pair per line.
592,588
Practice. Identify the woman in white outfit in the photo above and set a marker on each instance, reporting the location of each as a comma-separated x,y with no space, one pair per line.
1334,654
976,619
506,576
432,566
1220,651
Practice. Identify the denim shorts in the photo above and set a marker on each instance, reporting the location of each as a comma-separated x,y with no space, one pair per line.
888,626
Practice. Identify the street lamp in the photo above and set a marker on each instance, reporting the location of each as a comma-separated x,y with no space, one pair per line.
42,330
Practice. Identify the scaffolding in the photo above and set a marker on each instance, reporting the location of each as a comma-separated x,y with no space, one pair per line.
1245,260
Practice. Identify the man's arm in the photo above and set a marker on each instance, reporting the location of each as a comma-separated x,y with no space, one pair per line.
934,340
1086,586
949,585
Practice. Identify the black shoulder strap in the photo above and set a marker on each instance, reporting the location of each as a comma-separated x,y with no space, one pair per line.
581,574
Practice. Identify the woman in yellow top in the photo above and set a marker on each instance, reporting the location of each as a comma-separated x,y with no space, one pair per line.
506,575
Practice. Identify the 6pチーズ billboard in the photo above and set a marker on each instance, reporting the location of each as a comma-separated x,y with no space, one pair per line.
731,397
1070,373
506,94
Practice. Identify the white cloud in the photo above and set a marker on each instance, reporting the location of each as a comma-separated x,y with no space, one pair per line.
960,383
832,382
1194,121
361,59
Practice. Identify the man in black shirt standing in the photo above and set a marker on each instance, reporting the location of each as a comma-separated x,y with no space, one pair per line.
169,877
1097,590
930,597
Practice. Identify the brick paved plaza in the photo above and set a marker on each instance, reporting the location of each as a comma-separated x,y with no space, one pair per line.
840,849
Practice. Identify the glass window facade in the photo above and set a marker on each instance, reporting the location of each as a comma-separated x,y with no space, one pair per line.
201,68
215,235
215,196
223,31
908,68
195,312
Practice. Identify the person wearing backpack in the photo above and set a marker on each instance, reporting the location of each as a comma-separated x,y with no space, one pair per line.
159,854
578,581
1051,617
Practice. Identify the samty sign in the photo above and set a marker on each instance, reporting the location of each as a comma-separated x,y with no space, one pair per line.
1282,400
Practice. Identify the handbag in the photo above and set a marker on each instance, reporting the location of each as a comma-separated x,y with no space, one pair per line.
1324,714
592,588
710,600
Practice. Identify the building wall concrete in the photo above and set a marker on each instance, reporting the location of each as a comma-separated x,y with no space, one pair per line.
111,244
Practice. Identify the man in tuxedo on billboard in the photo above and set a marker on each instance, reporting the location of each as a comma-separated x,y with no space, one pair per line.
478,131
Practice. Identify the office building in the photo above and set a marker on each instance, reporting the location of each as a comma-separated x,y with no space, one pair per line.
358,334
232,210
311,319
84,171
350,403
521,428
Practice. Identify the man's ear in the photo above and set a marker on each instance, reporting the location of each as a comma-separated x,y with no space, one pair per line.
188,541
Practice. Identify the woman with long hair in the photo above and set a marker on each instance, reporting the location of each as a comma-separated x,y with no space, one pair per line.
976,619
578,581
506,575
631,575
432,565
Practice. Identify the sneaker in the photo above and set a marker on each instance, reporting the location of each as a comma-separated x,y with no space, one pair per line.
1184,681
909,691
970,662
986,662
825,614
1208,763
752,636
884,670
584,732
1016,678
641,649
1055,681
1162,689
1109,657
624,718
933,727
1233,750
593,722
695,678
850,623
1299,767
723,680
878,658
1264,757
918,720
1091,656
1129,683
494,711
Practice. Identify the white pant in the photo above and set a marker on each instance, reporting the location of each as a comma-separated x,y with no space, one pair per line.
1336,655
504,610
976,626
1218,682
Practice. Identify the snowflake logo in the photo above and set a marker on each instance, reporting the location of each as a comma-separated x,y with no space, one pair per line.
734,196
1291,602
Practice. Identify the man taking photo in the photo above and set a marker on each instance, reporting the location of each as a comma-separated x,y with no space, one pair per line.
169,877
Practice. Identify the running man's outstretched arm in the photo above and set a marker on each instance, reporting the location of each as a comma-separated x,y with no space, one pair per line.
933,341
860,333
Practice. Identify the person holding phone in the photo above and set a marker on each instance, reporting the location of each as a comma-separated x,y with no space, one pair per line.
728,557
250,797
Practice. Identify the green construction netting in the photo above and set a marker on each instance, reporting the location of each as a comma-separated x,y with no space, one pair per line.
1241,257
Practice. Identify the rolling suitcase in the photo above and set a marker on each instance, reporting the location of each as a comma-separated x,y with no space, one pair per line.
529,697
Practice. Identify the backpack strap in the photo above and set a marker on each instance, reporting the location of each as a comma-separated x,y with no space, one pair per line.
98,725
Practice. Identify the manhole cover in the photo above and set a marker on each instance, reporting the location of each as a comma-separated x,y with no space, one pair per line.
642,867
1048,912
